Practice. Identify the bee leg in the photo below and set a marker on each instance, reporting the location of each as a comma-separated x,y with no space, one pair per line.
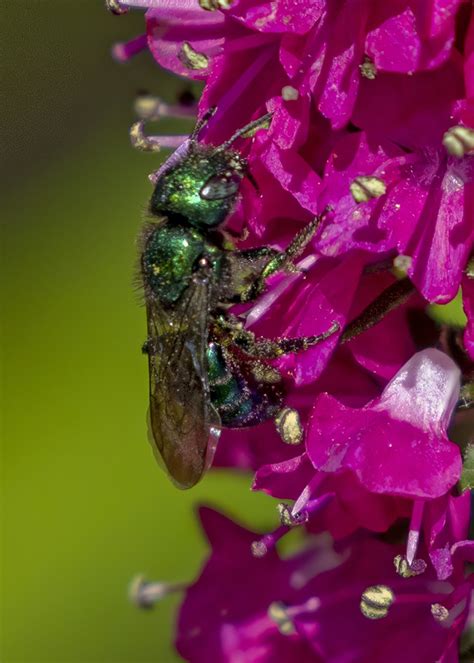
231,237
251,255
272,349
284,260
243,270
230,330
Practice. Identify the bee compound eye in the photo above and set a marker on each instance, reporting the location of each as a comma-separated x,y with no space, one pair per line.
220,187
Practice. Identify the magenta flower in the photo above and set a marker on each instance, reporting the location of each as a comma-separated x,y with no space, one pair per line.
184,38
408,422
377,460
319,48
224,616
396,619
421,204
437,191
327,605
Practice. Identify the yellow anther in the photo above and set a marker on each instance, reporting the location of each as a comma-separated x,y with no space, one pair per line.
364,188
376,601
192,59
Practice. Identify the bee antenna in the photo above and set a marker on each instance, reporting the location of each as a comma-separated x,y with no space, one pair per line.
202,122
255,124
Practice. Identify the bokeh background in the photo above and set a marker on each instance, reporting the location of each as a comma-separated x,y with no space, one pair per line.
84,506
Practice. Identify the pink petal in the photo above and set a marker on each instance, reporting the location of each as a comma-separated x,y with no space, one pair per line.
311,308
171,24
334,74
352,224
429,216
397,45
284,16
294,174
386,455
397,444
285,480
424,392
384,348
409,110
469,59
290,122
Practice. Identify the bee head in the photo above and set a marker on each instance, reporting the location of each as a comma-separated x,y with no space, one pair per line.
201,188
202,184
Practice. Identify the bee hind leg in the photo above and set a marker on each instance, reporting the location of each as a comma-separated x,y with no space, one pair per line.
262,348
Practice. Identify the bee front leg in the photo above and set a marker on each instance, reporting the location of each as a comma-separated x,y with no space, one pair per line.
284,260
242,269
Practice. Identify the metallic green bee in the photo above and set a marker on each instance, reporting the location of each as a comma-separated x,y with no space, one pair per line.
206,371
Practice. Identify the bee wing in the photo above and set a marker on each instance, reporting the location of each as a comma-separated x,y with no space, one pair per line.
181,414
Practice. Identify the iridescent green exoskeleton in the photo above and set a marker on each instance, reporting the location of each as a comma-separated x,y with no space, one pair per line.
206,371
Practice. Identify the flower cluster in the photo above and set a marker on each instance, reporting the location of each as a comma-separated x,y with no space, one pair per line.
373,126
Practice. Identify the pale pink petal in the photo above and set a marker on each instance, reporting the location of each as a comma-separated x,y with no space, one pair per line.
424,392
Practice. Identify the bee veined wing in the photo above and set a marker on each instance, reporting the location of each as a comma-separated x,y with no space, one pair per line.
181,416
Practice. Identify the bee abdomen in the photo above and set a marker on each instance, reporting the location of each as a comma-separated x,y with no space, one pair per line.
240,402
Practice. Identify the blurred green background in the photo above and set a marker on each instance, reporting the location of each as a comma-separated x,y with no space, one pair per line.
84,506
